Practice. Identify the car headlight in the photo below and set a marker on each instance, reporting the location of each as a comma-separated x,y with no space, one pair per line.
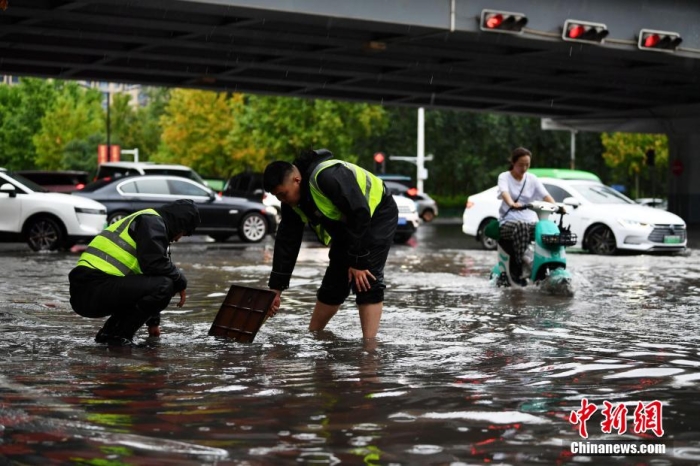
271,210
627,223
83,210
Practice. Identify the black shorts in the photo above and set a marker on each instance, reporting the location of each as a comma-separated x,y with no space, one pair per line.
335,287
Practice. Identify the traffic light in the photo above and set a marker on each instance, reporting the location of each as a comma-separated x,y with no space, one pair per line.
379,162
650,157
502,21
584,31
658,41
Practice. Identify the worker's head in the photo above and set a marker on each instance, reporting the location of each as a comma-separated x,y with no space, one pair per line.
181,218
283,180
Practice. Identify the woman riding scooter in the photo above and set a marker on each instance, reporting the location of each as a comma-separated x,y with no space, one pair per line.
517,188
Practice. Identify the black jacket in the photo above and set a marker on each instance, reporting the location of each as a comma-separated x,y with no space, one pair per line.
153,235
352,233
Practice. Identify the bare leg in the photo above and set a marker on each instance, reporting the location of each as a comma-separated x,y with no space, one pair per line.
370,315
322,314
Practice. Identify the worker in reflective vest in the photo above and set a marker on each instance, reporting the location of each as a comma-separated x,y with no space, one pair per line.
350,210
126,272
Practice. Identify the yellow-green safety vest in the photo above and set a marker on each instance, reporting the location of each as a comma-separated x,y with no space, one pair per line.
371,186
113,251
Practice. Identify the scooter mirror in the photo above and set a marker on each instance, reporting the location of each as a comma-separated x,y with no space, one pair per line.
572,201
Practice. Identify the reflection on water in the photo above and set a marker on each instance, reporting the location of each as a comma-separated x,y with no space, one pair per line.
463,373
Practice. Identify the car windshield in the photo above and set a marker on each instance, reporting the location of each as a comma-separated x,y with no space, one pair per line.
601,194
28,183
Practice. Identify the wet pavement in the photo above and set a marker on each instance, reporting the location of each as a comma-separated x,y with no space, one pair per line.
462,373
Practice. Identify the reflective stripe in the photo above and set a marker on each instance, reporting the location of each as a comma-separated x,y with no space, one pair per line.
113,251
372,192
123,268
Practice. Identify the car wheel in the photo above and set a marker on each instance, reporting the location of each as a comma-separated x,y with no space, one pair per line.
428,215
253,228
44,234
601,240
220,238
487,243
115,217
401,238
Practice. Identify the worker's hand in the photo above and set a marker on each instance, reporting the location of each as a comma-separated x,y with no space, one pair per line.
275,306
360,278
153,330
183,298
517,206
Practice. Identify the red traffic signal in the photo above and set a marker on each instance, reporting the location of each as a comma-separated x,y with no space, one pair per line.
584,31
659,41
379,157
502,21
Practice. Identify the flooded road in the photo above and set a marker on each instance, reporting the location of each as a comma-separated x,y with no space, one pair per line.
463,372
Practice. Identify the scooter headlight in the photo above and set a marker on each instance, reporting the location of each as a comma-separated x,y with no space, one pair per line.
627,223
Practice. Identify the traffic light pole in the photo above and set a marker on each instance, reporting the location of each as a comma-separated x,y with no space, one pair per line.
421,158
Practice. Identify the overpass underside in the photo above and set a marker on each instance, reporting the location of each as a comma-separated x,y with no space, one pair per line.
390,52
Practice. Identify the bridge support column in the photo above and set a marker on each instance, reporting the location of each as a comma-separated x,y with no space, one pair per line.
684,176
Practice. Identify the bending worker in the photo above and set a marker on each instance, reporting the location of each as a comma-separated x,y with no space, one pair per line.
350,209
126,272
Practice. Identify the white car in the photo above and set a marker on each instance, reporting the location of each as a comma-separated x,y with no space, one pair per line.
604,220
408,219
45,220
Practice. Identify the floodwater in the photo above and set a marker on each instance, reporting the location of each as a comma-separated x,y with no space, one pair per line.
462,373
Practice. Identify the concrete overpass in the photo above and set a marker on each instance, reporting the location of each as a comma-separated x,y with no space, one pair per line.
392,52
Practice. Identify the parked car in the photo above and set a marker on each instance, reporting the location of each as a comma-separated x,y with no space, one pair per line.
110,170
221,216
603,219
408,219
63,181
249,185
427,207
655,202
46,221
401,179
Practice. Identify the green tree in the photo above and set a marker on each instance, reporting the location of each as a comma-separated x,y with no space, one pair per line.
471,149
81,154
625,153
195,126
146,132
75,115
279,127
21,109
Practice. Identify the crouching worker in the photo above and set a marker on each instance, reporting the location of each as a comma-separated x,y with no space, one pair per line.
350,209
126,273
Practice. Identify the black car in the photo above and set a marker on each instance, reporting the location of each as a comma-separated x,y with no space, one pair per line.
221,216
62,181
246,184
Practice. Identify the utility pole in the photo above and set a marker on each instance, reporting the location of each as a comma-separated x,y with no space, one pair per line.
421,172
421,158
573,149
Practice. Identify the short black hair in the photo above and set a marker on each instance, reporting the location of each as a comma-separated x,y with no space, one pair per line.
275,174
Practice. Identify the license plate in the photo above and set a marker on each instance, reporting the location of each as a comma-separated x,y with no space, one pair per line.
672,239
402,221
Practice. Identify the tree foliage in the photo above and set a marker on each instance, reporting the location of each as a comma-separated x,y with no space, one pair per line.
76,114
195,127
21,110
279,127
625,153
